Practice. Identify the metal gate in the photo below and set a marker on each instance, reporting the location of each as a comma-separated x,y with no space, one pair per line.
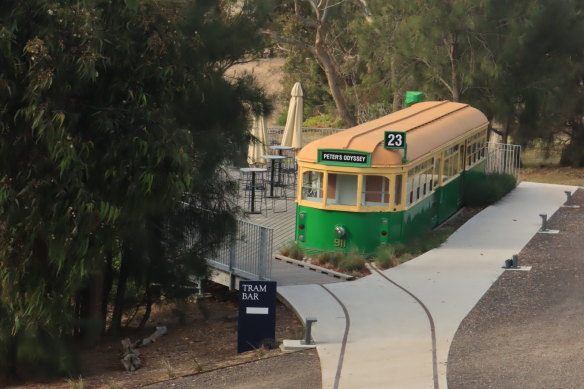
503,158
246,253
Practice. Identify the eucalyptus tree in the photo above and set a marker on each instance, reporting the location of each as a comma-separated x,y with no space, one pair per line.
110,113
321,30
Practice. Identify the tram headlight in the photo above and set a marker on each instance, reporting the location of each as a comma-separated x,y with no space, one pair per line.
340,231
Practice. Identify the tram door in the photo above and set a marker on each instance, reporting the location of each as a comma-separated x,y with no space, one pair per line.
435,197
462,161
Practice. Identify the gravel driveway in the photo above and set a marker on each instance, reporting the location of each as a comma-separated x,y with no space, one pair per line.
528,330
287,371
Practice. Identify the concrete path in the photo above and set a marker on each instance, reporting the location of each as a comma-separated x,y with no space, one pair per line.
393,329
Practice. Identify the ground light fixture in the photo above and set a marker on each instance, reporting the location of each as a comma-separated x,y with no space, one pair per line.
512,263
568,198
308,333
543,222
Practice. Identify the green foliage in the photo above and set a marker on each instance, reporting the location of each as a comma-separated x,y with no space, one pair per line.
110,114
323,121
488,190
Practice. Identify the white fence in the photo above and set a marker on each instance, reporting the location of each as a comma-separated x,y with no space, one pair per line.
503,158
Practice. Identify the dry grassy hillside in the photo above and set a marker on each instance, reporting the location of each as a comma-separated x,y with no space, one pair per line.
268,73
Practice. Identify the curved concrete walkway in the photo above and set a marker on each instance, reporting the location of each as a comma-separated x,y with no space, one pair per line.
399,324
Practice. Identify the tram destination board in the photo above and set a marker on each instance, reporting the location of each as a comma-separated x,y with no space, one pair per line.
394,140
344,157
257,315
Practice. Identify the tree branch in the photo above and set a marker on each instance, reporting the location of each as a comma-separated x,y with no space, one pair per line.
291,41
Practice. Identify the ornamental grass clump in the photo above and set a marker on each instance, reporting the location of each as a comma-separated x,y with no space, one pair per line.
385,257
353,262
331,258
293,251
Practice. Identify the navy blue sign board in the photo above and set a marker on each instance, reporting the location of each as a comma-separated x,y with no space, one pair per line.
257,314
394,140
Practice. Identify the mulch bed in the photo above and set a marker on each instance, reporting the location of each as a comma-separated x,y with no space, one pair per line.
527,331
201,337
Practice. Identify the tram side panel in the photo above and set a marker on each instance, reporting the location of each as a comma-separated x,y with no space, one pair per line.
418,219
449,199
319,230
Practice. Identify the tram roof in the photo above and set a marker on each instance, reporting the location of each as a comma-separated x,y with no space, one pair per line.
428,126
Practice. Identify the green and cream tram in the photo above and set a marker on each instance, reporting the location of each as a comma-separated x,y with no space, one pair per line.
390,179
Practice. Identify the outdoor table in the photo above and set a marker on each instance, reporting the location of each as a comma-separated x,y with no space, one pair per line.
253,171
281,148
274,159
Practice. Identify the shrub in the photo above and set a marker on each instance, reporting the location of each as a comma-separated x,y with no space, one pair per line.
488,190
352,262
323,121
333,258
385,256
292,251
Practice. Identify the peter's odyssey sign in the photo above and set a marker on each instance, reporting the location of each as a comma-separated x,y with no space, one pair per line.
344,158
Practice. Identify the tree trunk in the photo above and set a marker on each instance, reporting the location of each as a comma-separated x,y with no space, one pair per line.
92,313
107,287
396,103
333,78
454,77
116,323
573,152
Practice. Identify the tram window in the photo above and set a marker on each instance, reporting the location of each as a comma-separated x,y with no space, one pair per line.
398,189
342,189
312,186
476,148
375,191
410,191
451,166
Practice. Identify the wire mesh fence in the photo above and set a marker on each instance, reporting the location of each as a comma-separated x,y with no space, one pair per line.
247,252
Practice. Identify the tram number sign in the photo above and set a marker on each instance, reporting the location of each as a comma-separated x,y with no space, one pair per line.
341,243
394,140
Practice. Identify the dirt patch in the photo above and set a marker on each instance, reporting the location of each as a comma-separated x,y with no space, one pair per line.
201,337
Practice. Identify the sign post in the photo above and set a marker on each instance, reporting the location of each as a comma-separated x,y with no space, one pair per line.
257,314
396,140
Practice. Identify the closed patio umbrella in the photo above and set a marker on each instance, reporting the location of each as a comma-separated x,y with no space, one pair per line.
293,131
257,147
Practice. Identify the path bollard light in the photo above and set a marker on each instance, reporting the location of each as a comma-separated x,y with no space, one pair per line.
307,334
568,198
543,221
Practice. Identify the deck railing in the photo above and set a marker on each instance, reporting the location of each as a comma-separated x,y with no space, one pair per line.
309,134
246,253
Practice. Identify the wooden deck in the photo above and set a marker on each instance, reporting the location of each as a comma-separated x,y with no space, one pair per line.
278,214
